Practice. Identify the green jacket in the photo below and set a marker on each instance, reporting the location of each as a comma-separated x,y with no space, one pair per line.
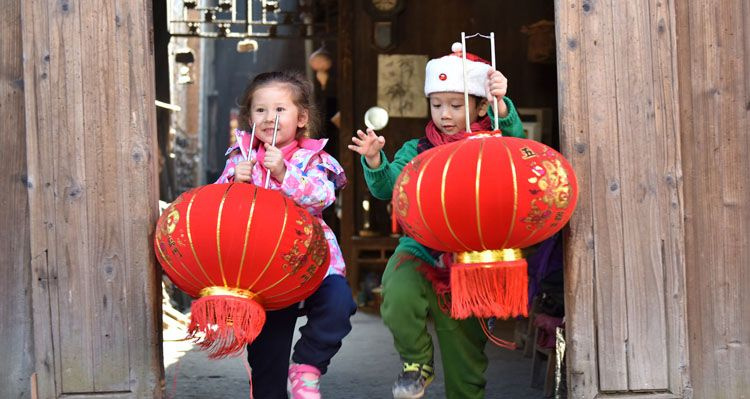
380,181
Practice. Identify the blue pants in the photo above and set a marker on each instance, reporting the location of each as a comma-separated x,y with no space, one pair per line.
328,311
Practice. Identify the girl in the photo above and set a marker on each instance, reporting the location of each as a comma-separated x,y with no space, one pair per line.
408,296
300,169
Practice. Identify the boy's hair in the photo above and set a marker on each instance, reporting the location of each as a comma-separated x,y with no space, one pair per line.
446,74
302,94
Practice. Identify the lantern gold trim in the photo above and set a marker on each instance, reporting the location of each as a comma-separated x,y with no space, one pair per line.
228,291
247,235
190,237
515,194
489,256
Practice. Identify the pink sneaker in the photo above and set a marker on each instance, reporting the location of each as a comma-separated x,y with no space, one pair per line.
303,382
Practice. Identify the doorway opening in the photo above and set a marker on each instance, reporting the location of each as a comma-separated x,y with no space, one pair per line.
198,83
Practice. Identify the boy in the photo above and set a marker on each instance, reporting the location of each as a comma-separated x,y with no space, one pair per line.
408,294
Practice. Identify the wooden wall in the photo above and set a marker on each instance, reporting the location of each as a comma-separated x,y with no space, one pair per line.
93,192
15,308
654,104
713,63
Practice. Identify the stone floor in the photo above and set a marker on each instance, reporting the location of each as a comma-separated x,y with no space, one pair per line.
364,368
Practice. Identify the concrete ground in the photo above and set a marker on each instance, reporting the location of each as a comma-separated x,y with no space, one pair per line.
365,367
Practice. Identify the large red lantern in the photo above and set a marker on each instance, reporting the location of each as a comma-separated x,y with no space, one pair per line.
240,249
484,198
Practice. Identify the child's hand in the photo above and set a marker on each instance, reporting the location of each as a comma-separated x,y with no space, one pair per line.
274,162
369,146
497,87
243,171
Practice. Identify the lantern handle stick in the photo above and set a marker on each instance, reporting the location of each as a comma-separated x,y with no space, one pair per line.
494,68
273,143
252,138
491,37
466,89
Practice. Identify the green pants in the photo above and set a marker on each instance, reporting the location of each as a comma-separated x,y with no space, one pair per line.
407,300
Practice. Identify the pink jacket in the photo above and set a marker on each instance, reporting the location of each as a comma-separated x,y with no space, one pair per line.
312,177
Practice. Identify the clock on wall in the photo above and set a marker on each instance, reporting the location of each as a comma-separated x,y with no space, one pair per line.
384,14
384,8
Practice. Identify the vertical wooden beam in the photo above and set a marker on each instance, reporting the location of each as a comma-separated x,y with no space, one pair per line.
346,108
664,82
600,104
714,65
642,166
93,196
15,308
582,367
624,263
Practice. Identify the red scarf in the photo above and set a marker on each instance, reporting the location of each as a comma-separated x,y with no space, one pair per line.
437,138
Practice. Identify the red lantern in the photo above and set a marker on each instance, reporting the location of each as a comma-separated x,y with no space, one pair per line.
240,249
484,198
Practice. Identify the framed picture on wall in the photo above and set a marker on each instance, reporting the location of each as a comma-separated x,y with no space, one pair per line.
401,85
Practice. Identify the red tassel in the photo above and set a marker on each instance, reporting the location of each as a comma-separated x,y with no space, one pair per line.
224,324
498,289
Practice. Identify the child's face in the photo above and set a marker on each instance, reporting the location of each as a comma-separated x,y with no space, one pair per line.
448,114
266,103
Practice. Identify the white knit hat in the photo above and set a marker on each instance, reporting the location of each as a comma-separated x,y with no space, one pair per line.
446,74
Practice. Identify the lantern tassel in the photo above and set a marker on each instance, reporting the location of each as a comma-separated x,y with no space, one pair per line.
224,324
488,289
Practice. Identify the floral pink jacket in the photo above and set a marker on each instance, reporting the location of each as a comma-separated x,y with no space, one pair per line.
312,177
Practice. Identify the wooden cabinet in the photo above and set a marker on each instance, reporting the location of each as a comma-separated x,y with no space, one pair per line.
369,254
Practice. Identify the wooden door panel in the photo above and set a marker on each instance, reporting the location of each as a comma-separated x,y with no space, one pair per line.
618,130
93,197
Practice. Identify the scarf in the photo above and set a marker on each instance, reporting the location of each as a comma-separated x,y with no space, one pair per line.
287,150
436,137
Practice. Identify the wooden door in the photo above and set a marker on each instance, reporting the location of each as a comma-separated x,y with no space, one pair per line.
625,266
93,193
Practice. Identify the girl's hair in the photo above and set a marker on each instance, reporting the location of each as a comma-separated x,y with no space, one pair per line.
302,95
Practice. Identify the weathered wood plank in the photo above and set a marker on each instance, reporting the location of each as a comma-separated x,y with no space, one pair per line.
65,161
715,101
606,181
15,308
666,118
92,157
642,395
641,150
41,195
102,71
137,170
579,248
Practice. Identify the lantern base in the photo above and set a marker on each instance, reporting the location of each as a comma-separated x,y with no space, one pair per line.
489,287
224,324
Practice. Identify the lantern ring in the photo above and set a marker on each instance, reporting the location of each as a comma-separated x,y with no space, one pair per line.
489,256
236,292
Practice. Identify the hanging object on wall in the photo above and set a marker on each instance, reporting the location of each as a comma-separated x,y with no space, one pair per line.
254,19
321,61
247,46
241,250
184,58
401,85
541,43
384,15
483,199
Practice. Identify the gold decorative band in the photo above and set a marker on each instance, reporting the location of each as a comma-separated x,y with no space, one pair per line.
238,292
488,256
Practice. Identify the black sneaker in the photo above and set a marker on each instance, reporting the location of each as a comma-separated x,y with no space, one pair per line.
413,380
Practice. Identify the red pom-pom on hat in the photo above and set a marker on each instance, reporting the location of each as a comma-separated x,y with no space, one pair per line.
457,50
